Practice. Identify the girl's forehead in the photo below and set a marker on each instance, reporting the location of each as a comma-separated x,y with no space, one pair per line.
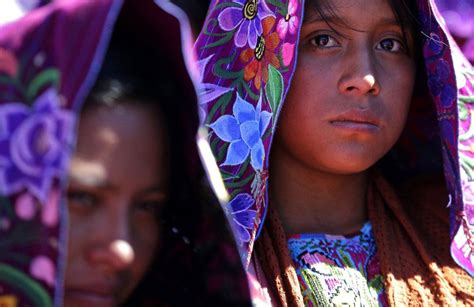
339,8
342,11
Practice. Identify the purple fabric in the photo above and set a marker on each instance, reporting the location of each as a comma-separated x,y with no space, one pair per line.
241,116
459,17
47,62
444,112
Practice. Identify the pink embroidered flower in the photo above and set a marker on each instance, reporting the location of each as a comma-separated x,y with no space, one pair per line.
25,207
8,63
43,269
50,212
290,22
287,53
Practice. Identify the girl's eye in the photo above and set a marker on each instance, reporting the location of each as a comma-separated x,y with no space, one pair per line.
390,45
81,199
324,41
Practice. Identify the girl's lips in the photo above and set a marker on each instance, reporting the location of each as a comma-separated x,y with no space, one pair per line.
356,126
357,121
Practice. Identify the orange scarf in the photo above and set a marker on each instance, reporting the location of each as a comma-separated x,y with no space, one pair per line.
413,250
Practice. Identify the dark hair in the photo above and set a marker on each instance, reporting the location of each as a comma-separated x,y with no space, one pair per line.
404,11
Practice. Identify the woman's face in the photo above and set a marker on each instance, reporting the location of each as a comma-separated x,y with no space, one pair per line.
351,91
118,185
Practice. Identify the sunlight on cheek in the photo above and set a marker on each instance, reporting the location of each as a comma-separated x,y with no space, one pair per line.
108,136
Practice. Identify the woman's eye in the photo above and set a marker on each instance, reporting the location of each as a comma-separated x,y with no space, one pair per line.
324,41
390,45
149,206
82,199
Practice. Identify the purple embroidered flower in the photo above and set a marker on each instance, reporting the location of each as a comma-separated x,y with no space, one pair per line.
243,218
247,16
33,144
207,91
244,131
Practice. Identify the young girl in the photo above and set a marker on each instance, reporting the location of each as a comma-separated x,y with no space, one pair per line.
130,220
349,207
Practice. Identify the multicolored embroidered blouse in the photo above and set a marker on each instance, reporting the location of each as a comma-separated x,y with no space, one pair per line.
338,270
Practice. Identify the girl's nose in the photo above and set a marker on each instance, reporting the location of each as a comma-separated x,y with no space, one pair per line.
359,79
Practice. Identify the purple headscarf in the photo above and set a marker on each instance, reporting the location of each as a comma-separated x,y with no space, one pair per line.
49,60
247,52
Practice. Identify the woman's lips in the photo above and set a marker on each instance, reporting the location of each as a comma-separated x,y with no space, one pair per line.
90,297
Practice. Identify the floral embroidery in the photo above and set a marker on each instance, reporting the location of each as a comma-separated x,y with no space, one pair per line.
258,60
8,63
462,248
290,22
244,131
338,270
32,142
242,217
245,68
208,91
246,16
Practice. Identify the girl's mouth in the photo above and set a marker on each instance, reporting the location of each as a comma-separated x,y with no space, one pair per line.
357,121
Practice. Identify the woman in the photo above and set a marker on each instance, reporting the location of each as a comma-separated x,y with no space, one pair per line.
336,182
140,226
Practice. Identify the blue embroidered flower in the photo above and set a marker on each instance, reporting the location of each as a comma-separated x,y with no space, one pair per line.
244,131
247,15
32,142
242,217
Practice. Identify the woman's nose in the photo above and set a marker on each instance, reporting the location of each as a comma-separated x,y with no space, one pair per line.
114,250
358,78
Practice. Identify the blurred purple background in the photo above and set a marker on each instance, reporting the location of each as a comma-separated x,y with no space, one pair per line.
459,16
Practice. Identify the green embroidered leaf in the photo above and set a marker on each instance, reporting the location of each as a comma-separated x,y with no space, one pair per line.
225,5
7,81
467,167
246,89
468,134
376,282
49,76
466,99
225,38
221,68
222,102
240,183
463,113
278,3
22,282
274,89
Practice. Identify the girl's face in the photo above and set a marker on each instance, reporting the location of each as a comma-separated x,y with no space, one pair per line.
118,180
351,91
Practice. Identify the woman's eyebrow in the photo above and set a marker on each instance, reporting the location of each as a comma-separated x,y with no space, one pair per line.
157,190
89,180
88,175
